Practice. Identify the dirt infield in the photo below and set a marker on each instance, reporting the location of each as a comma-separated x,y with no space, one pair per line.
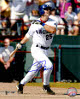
8,91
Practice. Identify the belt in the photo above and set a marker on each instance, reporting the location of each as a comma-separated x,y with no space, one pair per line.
42,47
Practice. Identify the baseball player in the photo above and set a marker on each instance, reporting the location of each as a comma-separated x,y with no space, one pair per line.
42,30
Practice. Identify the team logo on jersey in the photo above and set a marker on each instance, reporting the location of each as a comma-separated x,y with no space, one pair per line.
41,31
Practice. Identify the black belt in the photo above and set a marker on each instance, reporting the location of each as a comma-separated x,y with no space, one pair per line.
42,47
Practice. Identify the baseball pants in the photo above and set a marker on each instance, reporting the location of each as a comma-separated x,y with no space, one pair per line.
40,60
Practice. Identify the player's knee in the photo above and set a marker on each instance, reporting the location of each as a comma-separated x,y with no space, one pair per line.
49,65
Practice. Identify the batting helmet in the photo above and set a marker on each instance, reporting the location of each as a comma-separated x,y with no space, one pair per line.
42,8
50,4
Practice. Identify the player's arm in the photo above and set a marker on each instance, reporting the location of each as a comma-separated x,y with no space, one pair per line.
19,45
23,41
50,29
26,37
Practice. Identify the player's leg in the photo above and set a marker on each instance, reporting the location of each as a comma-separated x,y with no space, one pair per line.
32,72
48,67
42,60
37,65
46,76
37,54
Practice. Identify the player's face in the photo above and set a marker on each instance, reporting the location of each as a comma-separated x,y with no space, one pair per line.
47,11
45,16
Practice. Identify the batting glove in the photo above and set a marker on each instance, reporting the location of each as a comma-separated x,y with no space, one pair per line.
19,46
38,22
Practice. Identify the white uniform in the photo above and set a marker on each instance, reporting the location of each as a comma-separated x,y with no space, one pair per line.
41,39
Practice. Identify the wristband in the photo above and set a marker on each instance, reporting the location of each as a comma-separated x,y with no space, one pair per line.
20,43
43,24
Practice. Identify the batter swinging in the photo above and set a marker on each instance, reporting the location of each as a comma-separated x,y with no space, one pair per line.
42,40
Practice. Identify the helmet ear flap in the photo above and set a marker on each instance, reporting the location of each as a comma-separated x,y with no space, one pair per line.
41,11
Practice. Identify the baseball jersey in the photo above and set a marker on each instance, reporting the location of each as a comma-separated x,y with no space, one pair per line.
40,35
5,52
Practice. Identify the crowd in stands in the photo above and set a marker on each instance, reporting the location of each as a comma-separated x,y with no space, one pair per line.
7,64
66,14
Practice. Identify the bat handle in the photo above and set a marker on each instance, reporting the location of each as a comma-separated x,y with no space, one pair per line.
11,55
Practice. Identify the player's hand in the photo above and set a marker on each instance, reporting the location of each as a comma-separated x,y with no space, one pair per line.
19,46
36,22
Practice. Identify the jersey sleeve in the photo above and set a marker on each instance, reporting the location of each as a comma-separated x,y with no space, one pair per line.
52,23
31,29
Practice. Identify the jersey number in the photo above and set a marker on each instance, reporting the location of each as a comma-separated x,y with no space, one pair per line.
49,36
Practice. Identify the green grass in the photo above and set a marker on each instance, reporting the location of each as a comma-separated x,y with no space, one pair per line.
57,85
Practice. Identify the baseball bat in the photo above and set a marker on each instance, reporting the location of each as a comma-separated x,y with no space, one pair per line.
12,53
